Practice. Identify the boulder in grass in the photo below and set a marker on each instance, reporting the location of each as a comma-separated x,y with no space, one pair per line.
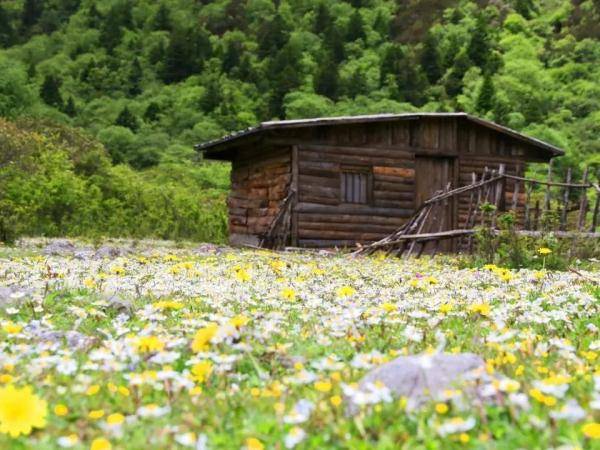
108,252
11,296
59,247
418,378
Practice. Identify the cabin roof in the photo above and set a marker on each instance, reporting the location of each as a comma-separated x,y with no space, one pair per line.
216,146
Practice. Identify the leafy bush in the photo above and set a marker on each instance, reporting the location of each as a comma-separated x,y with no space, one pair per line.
55,181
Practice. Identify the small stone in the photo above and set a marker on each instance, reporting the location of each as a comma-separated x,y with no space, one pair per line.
421,378
110,252
59,247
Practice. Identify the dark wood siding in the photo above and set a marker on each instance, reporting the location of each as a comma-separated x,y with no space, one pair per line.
326,213
259,181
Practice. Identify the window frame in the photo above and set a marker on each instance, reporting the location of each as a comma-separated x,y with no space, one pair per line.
362,170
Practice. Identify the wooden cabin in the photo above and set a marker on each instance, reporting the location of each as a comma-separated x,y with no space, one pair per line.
349,180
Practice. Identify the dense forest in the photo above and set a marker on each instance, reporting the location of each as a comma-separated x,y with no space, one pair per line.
148,79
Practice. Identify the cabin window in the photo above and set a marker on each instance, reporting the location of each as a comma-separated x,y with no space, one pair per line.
356,185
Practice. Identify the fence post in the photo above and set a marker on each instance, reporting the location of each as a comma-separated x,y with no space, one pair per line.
583,202
565,209
549,179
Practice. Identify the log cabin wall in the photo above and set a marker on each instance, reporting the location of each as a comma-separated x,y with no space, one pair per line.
359,182
260,178
388,151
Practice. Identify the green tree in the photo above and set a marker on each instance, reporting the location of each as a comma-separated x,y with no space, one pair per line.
479,47
70,109
31,13
152,112
326,81
50,91
285,73
487,94
454,80
430,59
162,19
323,20
16,95
135,78
7,33
273,36
356,27
127,119
185,54
212,96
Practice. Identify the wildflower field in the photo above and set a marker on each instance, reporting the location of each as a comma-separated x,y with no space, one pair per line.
164,347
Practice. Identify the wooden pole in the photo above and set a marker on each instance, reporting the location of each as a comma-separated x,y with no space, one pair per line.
527,224
549,177
536,217
565,208
499,194
294,188
583,202
596,208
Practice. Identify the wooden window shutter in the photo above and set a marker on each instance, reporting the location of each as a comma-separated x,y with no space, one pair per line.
356,186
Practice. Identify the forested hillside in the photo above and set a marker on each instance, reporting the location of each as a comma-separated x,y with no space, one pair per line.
149,78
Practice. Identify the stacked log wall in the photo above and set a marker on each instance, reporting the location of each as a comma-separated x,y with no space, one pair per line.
260,178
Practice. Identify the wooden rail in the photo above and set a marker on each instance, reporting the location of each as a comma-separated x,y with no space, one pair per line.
487,200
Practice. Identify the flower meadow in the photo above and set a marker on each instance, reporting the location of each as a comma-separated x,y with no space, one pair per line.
217,348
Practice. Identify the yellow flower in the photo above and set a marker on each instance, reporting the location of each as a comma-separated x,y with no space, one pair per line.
93,389
89,283
12,328
96,414
101,444
239,321
6,378
203,337
591,430
288,294
323,386
168,304
336,400
61,410
464,438
201,371
20,411
149,344
389,307
544,251
441,408
242,275
346,291
254,444
123,391
115,419
481,308
445,308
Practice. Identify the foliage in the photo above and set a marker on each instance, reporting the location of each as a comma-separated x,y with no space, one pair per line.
179,67
55,181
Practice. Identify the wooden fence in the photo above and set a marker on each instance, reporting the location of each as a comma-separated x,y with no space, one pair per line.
538,206
566,208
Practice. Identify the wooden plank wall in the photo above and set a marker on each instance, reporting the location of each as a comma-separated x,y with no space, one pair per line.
260,178
261,175
323,220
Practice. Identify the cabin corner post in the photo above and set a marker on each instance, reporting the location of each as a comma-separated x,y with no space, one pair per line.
294,188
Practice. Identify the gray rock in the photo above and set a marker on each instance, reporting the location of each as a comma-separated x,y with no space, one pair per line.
119,304
11,296
208,249
59,247
110,252
421,378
